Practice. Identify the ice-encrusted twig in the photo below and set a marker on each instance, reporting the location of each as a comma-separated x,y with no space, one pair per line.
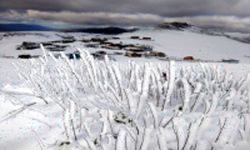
176,135
120,143
14,113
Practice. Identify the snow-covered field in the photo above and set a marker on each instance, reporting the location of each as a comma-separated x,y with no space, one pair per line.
174,43
139,103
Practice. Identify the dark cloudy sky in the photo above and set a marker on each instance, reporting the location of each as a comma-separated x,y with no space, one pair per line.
230,14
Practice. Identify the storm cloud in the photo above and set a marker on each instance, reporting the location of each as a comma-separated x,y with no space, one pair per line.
232,14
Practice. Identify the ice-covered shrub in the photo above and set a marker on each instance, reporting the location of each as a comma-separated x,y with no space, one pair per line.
110,105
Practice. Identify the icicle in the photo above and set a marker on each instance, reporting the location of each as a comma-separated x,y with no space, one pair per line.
154,114
170,83
213,104
187,90
44,52
162,140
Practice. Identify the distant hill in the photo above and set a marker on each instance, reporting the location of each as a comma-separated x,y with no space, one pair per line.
175,25
7,27
103,30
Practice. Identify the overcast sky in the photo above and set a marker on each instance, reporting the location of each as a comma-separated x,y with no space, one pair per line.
231,14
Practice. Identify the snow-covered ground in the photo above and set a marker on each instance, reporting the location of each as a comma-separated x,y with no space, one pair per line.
147,104
201,46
